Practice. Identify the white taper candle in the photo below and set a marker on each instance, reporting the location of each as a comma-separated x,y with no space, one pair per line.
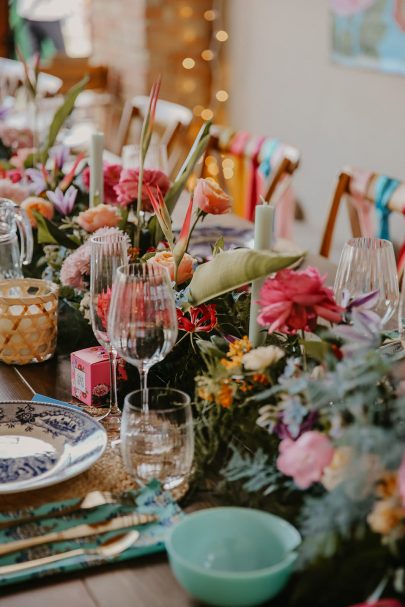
264,220
96,169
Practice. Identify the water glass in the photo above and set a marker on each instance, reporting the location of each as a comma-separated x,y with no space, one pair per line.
368,264
158,443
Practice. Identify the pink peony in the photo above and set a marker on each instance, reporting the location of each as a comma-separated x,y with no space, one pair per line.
103,215
165,259
112,174
12,191
127,189
346,8
211,198
293,300
306,458
41,206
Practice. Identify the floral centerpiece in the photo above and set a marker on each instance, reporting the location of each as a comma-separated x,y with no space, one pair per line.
311,426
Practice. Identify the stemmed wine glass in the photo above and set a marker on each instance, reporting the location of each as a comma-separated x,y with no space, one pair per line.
142,321
108,252
368,264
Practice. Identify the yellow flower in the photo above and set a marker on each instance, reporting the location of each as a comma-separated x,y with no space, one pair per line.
204,394
236,352
386,515
224,397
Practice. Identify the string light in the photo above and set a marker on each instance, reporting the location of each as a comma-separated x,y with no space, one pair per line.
197,109
222,95
189,35
207,114
189,85
210,15
207,55
188,63
222,35
186,12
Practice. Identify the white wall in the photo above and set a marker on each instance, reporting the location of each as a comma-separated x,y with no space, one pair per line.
283,84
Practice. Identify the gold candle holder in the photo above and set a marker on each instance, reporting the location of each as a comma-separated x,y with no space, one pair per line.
28,320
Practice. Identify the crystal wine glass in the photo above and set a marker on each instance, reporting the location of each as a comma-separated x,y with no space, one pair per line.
108,252
142,322
368,264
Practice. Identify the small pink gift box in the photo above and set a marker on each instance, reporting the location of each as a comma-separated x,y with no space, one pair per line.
90,372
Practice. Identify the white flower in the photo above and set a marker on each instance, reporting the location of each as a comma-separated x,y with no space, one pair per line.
85,305
262,357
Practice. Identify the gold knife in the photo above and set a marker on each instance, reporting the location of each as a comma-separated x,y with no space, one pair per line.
79,531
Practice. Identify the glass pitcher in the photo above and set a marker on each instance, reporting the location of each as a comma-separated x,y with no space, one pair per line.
14,251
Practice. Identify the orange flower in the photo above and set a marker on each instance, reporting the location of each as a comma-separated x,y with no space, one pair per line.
103,215
386,516
211,198
224,396
34,203
237,350
165,259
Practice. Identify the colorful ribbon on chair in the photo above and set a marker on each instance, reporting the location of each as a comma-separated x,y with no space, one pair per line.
384,189
359,184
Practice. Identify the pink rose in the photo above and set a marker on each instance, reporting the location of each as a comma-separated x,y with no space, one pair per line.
165,259
103,215
127,188
306,458
211,198
34,203
293,300
111,173
346,8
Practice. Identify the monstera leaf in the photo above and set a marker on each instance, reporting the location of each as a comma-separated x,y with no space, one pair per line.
232,269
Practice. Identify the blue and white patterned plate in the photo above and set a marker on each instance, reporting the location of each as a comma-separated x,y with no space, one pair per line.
42,444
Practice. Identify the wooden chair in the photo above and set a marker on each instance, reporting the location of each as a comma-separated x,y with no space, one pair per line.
172,120
235,160
12,77
362,190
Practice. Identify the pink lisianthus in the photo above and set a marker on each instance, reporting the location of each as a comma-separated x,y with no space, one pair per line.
211,198
111,173
12,191
165,260
346,8
127,188
306,458
292,301
103,215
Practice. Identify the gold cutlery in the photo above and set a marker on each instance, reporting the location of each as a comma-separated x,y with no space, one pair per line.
93,499
78,531
109,549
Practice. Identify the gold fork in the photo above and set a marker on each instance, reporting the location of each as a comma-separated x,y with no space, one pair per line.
107,550
93,499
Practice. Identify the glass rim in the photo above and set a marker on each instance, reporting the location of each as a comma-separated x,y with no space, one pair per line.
168,410
368,240
125,269
117,237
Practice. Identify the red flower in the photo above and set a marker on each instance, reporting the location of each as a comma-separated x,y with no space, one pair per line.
381,603
127,188
15,175
112,173
200,319
293,300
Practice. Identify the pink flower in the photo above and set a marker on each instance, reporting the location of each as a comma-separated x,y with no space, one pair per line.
401,480
16,138
13,191
41,206
292,300
127,188
112,174
306,458
381,603
346,8
211,198
103,215
20,156
165,259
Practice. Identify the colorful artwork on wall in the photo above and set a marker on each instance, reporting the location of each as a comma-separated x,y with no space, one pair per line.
369,34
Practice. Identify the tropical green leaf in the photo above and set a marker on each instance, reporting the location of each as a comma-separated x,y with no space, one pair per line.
49,233
232,269
218,247
61,115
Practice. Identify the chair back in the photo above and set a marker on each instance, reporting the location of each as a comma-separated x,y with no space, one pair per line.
172,120
12,77
370,198
248,167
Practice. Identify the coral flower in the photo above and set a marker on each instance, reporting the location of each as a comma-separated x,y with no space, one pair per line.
34,203
211,198
103,215
292,301
200,319
12,191
166,260
306,458
127,188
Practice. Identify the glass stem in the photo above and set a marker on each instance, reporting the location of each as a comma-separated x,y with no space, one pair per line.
114,409
143,373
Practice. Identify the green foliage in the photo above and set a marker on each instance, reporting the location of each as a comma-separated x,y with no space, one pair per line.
50,233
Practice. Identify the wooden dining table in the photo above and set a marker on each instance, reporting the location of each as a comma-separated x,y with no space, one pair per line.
145,582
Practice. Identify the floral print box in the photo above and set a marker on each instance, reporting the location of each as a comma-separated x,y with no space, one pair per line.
90,372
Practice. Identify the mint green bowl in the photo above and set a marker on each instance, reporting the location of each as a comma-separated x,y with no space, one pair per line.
232,557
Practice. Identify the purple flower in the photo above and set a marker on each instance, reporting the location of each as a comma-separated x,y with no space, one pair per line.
59,154
63,202
4,110
363,334
37,181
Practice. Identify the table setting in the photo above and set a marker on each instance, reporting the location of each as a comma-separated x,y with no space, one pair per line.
175,382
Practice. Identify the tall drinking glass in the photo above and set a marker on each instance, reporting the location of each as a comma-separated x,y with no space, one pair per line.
108,252
142,321
368,264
